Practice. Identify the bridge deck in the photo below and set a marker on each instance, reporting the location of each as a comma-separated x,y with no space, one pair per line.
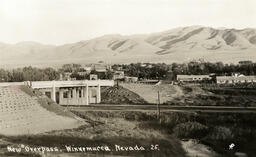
78,83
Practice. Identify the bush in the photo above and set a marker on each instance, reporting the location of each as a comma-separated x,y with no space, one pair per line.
171,119
221,133
190,130
137,116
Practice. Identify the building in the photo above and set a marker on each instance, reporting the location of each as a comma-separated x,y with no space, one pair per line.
245,62
118,75
235,79
87,69
192,78
130,79
65,76
101,68
93,77
148,81
82,73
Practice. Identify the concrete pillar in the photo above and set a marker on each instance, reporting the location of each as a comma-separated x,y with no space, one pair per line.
53,93
74,93
61,91
77,96
81,100
77,93
82,92
98,94
69,93
69,96
74,98
87,94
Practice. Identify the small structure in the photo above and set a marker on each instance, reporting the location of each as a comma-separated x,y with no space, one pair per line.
130,79
118,75
192,78
82,73
148,81
93,77
65,76
100,68
88,69
235,79
245,62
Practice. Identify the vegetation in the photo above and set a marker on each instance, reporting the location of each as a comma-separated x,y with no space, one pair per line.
164,71
140,70
217,130
28,74
190,130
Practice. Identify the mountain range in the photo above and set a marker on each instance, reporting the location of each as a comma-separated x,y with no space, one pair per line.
175,45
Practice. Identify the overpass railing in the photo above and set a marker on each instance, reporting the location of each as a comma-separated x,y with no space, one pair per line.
77,83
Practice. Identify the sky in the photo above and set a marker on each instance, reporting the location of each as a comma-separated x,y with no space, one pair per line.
67,21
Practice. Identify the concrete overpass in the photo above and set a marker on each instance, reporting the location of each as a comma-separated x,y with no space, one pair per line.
80,92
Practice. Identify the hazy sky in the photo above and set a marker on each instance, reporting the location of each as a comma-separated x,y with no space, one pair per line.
66,21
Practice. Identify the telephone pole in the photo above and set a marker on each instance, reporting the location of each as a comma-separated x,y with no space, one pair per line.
158,106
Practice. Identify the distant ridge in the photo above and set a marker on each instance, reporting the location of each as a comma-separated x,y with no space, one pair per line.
175,45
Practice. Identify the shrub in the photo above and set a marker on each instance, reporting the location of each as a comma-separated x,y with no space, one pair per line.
190,130
221,133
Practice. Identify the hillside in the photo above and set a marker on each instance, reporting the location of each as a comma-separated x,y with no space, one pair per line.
179,45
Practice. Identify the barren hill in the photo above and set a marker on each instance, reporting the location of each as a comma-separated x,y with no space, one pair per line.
175,45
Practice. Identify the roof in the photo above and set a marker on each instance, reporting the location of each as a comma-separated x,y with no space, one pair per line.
193,76
100,68
224,78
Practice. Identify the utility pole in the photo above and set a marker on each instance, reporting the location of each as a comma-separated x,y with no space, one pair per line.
158,106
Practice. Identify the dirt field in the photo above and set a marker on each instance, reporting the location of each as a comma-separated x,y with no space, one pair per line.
150,92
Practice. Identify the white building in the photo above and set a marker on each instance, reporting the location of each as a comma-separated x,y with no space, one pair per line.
192,78
235,79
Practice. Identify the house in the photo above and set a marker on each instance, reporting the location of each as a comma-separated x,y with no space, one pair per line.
101,68
245,62
88,69
235,79
93,77
130,79
82,73
65,76
192,78
118,75
146,81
